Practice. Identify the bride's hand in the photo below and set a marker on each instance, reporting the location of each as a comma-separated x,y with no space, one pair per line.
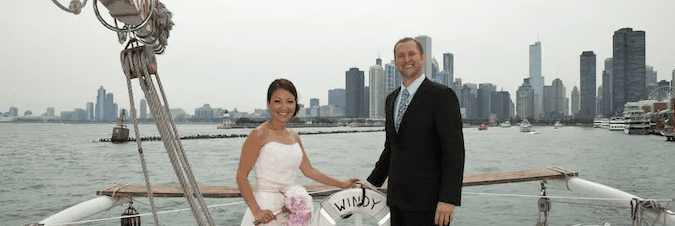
351,183
264,216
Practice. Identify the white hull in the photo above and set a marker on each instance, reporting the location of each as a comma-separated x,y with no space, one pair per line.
615,196
84,209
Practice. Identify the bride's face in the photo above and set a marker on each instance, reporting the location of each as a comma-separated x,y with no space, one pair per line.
281,105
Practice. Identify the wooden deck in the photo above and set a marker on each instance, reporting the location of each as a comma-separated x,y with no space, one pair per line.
320,190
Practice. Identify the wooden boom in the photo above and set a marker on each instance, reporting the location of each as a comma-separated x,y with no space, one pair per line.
319,190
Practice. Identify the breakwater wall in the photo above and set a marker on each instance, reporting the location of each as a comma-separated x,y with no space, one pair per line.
194,137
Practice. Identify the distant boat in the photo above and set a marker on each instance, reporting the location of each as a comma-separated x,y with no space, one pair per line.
224,127
534,132
506,124
616,124
557,125
482,127
525,126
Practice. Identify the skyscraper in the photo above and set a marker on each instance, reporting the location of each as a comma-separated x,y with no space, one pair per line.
558,91
100,103
607,91
587,84
536,79
434,68
575,100
144,109
90,111
628,68
426,46
336,97
449,64
392,77
354,93
109,108
313,102
366,103
378,91
650,79
483,99
525,100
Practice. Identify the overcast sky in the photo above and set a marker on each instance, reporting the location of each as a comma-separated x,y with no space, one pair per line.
226,53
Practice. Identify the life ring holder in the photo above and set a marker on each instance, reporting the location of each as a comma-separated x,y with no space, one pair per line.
343,204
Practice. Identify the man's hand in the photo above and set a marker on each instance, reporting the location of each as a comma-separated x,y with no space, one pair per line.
444,213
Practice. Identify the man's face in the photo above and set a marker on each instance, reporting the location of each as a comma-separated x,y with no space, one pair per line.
409,61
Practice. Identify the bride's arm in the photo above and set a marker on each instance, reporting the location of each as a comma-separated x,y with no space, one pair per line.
312,173
249,154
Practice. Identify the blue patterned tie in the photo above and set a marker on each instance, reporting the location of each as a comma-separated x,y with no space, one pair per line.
402,106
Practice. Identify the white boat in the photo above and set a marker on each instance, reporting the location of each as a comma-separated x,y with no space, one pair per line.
605,123
636,121
534,132
506,124
525,126
616,124
557,125
597,122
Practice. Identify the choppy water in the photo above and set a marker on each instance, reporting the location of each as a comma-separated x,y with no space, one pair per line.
46,168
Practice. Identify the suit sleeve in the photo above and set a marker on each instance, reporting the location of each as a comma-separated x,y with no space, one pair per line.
449,126
381,171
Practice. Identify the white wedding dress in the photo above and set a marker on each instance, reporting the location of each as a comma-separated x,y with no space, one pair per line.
277,167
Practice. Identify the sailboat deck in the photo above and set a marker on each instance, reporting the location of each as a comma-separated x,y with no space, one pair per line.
319,190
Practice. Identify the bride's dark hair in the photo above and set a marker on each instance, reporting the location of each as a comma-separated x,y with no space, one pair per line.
285,85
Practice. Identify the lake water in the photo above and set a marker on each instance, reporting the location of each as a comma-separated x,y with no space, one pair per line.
46,168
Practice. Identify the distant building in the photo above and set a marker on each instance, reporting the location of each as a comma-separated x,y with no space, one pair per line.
575,100
109,108
536,79
331,111
607,93
587,76
366,103
100,103
336,97
650,80
144,109
483,100
378,91
525,100
628,82
50,111
313,102
449,65
28,113
89,111
426,47
468,101
598,102
392,77
434,68
500,105
354,96
205,113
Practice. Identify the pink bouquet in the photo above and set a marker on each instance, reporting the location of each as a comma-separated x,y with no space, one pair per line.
297,206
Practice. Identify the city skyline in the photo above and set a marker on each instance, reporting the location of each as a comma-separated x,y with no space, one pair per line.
49,60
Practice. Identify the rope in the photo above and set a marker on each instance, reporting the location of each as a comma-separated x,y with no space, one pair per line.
155,106
126,59
183,156
171,143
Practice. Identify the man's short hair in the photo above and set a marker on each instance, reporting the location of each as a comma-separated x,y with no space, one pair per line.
406,39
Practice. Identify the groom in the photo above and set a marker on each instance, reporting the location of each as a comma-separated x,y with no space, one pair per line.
423,152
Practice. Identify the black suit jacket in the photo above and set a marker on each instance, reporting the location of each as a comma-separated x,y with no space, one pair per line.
425,159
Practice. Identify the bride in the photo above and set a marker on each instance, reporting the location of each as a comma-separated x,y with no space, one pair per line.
276,154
